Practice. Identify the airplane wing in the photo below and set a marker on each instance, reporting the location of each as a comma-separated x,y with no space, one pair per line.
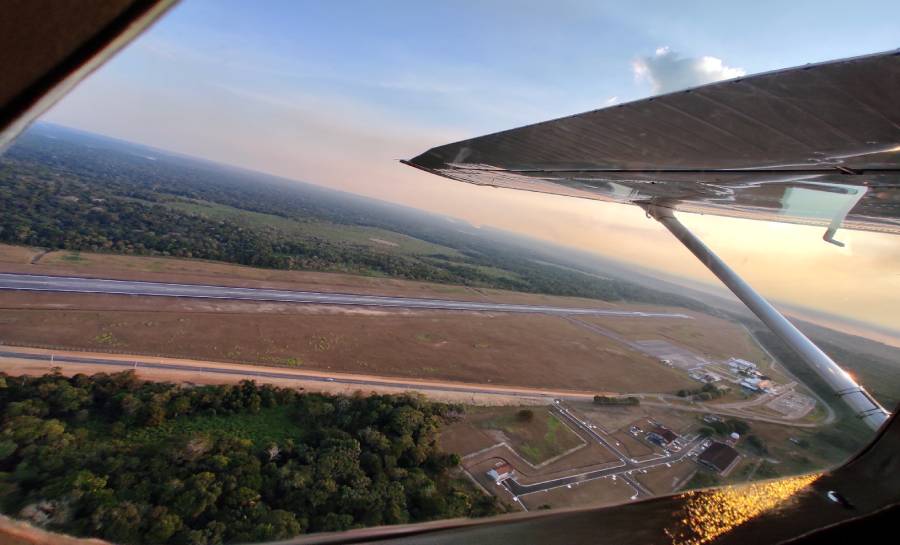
801,145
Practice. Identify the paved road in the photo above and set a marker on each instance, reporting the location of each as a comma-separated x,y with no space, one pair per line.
29,282
61,360
623,470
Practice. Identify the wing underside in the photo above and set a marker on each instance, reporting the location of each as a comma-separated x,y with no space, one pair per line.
813,145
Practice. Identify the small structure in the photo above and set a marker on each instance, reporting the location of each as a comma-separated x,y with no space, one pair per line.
719,457
739,364
706,377
662,436
751,384
501,471
734,438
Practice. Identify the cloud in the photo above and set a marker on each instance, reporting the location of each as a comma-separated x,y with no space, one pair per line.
668,71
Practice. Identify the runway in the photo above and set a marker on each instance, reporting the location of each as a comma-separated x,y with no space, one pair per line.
71,284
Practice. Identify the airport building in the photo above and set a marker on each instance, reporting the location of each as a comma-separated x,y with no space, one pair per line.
719,457
662,436
739,364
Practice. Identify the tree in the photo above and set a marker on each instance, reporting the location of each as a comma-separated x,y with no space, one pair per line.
278,524
738,426
525,415
199,492
162,526
118,523
7,449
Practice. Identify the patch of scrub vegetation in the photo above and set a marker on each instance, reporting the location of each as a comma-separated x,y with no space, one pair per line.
283,361
137,462
234,353
108,339
269,424
324,343
73,256
534,433
430,338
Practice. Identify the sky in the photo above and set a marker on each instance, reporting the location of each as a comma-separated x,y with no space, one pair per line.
334,93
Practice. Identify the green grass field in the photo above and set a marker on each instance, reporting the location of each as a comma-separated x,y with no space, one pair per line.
538,439
270,424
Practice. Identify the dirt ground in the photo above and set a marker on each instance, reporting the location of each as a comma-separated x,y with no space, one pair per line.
618,420
595,492
665,480
476,396
16,532
506,349
610,417
463,438
633,446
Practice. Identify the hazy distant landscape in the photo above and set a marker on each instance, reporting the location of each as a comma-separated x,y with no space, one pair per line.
65,189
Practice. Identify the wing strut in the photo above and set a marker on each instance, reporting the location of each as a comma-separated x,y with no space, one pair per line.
863,404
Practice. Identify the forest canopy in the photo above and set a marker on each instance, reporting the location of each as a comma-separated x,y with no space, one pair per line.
133,462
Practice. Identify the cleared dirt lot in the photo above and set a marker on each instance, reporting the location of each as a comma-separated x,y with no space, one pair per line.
595,492
665,480
631,445
618,420
523,350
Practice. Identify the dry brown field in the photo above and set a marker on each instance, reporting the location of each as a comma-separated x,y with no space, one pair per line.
520,350
504,349
665,480
631,445
709,336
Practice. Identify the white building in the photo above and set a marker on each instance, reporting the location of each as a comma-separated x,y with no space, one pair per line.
739,364
501,472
